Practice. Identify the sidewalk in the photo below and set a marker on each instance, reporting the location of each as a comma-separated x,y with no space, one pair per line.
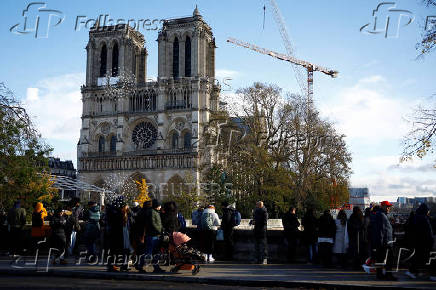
220,273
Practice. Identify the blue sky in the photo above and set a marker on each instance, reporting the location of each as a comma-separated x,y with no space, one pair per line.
380,80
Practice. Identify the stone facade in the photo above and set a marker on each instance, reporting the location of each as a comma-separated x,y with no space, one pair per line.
154,132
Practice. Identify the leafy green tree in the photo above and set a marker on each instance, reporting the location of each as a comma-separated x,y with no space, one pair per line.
23,156
277,149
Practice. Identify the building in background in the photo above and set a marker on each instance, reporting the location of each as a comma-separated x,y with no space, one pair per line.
359,197
154,131
62,168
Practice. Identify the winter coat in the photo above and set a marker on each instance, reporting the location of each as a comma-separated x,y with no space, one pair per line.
260,218
17,217
310,229
227,222
57,225
210,213
92,227
290,224
114,226
341,238
326,226
154,224
381,230
170,222
196,218
423,229
356,234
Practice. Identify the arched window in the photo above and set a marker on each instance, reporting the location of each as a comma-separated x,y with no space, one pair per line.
101,144
175,140
113,144
115,54
176,58
188,57
103,61
187,140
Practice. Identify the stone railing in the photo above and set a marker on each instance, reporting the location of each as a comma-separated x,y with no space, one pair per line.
179,161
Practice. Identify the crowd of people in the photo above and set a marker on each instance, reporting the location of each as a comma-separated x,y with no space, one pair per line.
118,232
363,239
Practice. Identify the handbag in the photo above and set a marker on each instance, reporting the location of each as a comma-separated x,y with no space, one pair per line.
219,235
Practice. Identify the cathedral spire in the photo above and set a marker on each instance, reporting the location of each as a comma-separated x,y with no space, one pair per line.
196,12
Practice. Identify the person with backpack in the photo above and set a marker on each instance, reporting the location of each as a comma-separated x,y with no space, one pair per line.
92,228
209,223
231,218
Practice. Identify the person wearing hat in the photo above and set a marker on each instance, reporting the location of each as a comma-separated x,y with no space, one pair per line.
382,241
152,234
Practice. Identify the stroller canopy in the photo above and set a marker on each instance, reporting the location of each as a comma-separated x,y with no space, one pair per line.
180,238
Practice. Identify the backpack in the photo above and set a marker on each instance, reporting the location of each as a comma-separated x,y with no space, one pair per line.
207,221
37,219
182,222
236,218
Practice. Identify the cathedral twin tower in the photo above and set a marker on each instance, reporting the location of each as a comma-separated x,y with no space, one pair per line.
149,129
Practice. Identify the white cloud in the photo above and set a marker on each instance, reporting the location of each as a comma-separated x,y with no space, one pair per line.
365,111
32,94
226,73
55,106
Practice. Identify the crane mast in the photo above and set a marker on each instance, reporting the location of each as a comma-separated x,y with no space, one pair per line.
299,75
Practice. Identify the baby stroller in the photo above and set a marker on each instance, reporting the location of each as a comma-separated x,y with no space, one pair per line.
185,257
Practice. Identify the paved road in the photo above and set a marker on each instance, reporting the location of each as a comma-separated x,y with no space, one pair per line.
275,275
77,284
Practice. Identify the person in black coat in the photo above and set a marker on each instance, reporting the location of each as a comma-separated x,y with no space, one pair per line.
114,226
227,225
423,239
326,235
290,225
260,220
356,237
310,234
170,220
58,238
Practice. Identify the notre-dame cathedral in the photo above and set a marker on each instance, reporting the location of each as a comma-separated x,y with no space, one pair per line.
154,131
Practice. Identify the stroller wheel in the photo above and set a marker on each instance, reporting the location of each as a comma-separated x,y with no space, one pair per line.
175,269
196,270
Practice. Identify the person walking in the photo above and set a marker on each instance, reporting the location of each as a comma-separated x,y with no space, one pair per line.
229,220
153,233
290,226
310,236
422,242
92,229
340,246
209,223
58,238
326,235
16,220
382,241
260,220
355,228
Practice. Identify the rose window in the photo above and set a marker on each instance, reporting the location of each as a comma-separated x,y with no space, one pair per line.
144,135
